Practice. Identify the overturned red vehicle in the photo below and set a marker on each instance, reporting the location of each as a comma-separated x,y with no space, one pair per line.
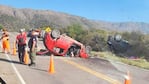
63,45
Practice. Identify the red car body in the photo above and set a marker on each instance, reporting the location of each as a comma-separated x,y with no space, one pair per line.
61,46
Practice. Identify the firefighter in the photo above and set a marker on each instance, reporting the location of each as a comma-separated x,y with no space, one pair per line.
32,44
21,42
5,41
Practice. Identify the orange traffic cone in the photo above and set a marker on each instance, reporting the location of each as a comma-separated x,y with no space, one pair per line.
51,65
26,57
14,52
127,79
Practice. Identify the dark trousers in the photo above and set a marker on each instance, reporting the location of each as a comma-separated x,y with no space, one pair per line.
21,52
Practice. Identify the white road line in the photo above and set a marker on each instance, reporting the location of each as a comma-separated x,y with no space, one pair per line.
16,71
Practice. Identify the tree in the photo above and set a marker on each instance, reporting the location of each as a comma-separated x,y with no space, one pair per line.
138,44
75,31
95,38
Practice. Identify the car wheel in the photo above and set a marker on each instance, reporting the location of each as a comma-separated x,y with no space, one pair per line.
88,49
55,33
118,37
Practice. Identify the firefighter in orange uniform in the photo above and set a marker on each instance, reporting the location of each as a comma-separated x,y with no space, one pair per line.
5,41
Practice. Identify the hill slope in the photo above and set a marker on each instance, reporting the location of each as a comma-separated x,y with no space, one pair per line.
14,18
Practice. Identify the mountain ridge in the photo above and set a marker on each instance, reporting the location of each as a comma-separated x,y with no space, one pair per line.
14,18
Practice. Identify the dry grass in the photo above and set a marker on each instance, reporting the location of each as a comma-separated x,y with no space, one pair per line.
142,63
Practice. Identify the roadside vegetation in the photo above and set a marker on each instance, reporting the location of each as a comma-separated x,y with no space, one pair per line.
140,62
136,55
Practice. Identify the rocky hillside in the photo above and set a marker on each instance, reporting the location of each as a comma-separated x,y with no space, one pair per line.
13,18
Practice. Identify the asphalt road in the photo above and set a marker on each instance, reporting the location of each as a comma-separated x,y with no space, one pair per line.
68,70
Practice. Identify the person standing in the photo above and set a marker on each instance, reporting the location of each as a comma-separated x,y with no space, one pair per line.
21,41
5,41
32,44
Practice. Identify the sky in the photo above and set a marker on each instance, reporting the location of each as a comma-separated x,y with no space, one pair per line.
102,10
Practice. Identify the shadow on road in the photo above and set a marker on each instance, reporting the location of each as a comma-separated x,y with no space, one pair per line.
35,68
10,61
